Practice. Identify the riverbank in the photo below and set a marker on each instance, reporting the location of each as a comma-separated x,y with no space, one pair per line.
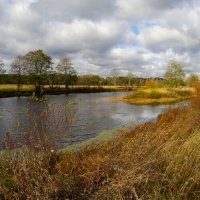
153,161
27,90
155,96
101,137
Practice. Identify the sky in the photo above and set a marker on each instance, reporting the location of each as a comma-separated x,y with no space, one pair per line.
139,36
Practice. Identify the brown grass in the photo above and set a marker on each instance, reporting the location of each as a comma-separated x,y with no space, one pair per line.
158,160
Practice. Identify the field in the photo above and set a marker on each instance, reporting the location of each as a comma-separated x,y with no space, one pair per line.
153,96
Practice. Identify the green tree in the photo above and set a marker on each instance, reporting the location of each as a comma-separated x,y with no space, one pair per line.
65,67
38,66
18,68
90,80
174,75
192,80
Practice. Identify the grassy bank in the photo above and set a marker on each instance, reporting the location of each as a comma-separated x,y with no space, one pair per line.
27,90
158,160
101,137
153,96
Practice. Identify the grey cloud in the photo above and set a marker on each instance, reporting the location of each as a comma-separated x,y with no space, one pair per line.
142,10
81,35
98,36
68,10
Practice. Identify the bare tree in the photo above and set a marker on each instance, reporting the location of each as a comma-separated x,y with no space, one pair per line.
18,68
52,77
115,75
130,77
65,67
2,70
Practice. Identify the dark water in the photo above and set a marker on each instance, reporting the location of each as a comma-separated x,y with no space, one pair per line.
95,113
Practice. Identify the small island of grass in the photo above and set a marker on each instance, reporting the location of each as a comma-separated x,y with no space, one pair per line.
153,96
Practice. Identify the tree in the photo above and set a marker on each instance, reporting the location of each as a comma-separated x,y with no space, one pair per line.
174,75
90,80
18,68
115,75
130,77
65,67
38,66
192,80
2,70
52,77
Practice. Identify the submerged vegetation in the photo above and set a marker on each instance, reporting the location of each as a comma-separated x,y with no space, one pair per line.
154,161
158,95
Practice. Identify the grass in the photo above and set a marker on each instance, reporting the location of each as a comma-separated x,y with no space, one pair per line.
144,96
7,90
103,136
13,87
158,160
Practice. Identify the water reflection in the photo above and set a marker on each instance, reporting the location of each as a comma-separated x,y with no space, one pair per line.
95,113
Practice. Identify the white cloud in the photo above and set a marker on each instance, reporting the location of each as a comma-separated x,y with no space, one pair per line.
139,36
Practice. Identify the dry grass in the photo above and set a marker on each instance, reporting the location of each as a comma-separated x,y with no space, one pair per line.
13,87
158,160
144,96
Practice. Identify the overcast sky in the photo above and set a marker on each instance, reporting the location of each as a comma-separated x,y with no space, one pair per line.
99,35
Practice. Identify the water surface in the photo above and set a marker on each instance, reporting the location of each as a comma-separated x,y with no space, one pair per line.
95,114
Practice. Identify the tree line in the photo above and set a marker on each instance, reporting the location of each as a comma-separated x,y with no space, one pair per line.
37,68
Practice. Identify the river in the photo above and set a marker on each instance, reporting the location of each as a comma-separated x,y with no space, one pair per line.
96,112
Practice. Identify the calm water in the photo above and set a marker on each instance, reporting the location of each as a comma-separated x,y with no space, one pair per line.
95,113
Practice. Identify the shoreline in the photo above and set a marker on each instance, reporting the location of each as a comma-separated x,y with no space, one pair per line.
5,93
103,136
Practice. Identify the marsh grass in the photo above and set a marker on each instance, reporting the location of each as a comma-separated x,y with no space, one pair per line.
158,95
158,160
13,87
9,90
